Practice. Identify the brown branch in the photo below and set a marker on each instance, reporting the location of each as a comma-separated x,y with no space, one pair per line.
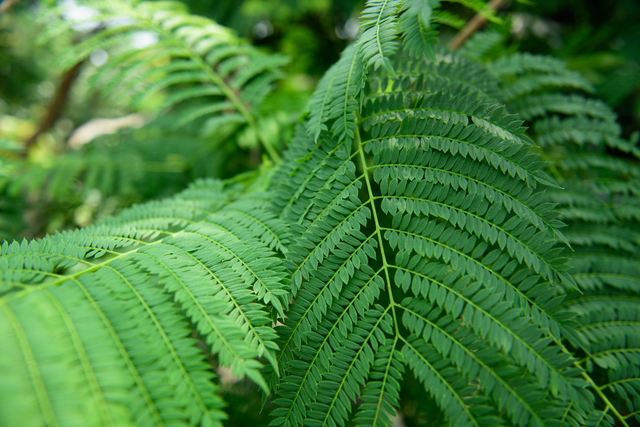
6,5
57,105
472,26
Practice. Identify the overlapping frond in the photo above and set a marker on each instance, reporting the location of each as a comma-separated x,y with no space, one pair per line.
445,17
436,206
524,74
542,104
339,94
135,166
203,69
336,100
189,49
379,33
448,73
126,295
582,140
483,44
415,24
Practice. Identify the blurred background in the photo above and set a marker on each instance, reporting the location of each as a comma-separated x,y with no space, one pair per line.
70,154
56,126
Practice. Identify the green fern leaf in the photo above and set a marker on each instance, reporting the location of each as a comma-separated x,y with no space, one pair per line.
386,211
601,192
233,76
127,296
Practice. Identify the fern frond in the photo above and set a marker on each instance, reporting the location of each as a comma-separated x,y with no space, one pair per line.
350,72
462,107
62,373
414,228
381,394
579,130
448,73
415,26
526,73
523,63
475,360
625,383
304,368
143,287
379,33
119,165
350,366
338,95
599,419
411,198
601,194
534,82
461,402
445,17
343,85
532,106
612,342
482,44
232,76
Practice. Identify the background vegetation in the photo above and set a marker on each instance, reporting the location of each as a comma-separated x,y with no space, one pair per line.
600,41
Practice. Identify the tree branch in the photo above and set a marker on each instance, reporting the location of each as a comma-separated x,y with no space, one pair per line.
57,104
472,26
6,5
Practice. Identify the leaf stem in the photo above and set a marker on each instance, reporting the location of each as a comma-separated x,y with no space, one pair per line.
603,397
377,226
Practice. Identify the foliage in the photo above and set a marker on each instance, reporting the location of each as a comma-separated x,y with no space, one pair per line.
162,61
601,42
459,226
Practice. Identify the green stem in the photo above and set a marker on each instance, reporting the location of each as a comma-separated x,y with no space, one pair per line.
377,226
603,397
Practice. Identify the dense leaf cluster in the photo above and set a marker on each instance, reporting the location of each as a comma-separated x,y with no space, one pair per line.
415,227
